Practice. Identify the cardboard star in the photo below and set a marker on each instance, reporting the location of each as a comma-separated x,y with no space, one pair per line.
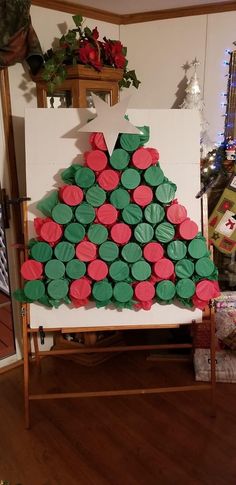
110,121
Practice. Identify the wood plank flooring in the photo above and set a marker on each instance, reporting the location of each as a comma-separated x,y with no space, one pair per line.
7,346
151,440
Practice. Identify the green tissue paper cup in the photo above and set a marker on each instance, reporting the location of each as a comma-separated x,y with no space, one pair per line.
165,290
95,196
58,289
41,251
129,142
84,177
85,213
120,198
119,270
154,213
74,232
108,251
204,267
34,290
154,176
97,233
165,232
165,193
184,268
132,214
176,250
119,159
143,232
131,252
185,288
130,178
62,213
141,270
54,269
75,269
197,248
123,292
102,291
64,251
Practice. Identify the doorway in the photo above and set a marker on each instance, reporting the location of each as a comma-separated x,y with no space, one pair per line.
7,338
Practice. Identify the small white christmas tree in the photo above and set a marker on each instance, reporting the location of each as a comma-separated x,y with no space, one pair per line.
193,100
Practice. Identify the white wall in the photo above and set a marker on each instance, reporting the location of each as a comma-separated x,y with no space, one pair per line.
157,51
49,24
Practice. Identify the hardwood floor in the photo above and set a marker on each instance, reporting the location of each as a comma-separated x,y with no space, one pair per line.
151,440
7,346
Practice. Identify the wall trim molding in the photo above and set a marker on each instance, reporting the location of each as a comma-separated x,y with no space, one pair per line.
73,9
106,16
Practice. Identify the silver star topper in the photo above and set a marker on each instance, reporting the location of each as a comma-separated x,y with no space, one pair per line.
110,121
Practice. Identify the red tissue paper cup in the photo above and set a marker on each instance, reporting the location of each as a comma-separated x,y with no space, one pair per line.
97,140
80,289
143,195
108,179
31,270
96,160
176,213
121,233
207,289
164,269
154,154
97,270
144,291
51,232
142,158
107,214
86,251
188,229
153,252
71,195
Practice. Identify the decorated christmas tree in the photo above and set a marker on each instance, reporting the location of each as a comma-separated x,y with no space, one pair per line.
114,233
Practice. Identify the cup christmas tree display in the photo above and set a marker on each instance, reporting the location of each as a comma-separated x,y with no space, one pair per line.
114,233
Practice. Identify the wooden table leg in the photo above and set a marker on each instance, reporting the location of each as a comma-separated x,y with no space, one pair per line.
213,363
26,372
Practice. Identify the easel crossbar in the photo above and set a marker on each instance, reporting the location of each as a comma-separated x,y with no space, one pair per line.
121,392
118,348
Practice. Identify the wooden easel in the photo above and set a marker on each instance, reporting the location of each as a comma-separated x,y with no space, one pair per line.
208,318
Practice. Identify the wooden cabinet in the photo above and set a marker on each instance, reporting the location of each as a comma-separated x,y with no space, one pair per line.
75,91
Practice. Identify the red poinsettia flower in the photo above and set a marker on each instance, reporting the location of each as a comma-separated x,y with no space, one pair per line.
114,53
95,33
88,54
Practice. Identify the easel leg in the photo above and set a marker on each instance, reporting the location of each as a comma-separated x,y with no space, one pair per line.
26,374
36,349
213,364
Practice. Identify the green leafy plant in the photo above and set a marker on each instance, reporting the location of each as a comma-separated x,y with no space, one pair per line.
81,45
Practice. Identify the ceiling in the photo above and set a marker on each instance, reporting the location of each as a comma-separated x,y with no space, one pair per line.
123,7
